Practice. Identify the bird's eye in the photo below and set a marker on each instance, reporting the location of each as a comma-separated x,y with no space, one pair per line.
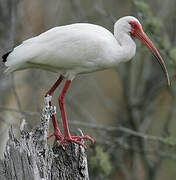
133,26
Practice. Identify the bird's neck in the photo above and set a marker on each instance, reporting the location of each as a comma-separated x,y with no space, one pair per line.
127,44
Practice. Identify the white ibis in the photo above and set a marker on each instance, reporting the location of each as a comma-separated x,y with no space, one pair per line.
76,49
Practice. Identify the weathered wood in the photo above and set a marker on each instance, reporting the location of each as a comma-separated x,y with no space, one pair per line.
31,158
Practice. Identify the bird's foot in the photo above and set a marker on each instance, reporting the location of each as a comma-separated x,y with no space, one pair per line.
76,139
57,134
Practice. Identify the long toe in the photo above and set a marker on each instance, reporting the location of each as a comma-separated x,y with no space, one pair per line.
58,136
76,139
83,137
65,141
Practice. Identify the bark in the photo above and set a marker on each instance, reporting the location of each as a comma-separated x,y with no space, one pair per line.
31,158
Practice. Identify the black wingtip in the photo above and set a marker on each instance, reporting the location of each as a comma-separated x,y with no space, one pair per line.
4,57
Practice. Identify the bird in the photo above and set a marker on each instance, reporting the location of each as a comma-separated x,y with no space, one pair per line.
75,49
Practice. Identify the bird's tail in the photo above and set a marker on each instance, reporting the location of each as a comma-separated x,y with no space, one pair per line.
4,57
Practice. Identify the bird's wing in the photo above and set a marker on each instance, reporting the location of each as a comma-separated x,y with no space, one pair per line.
62,47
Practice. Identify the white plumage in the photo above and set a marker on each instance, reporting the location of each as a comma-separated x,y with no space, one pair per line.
71,50
76,49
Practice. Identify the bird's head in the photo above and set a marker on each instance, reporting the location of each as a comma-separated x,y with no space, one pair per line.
132,26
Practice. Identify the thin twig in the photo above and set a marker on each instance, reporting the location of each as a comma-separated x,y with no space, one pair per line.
125,130
29,113
103,128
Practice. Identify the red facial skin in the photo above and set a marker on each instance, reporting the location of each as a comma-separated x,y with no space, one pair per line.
135,26
137,32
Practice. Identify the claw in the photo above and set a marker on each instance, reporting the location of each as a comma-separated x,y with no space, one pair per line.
58,136
83,137
76,139
65,141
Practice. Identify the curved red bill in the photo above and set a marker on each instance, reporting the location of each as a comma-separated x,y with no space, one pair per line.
148,43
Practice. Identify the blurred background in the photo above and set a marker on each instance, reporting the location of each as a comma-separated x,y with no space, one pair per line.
129,110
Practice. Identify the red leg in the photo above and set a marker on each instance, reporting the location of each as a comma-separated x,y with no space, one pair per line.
68,137
56,133
53,88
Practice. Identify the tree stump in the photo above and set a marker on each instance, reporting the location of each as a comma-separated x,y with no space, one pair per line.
31,158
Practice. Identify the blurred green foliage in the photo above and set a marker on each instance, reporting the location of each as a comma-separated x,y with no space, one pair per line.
172,53
99,162
151,24
171,140
172,65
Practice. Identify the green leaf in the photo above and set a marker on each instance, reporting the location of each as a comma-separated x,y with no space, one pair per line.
101,161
